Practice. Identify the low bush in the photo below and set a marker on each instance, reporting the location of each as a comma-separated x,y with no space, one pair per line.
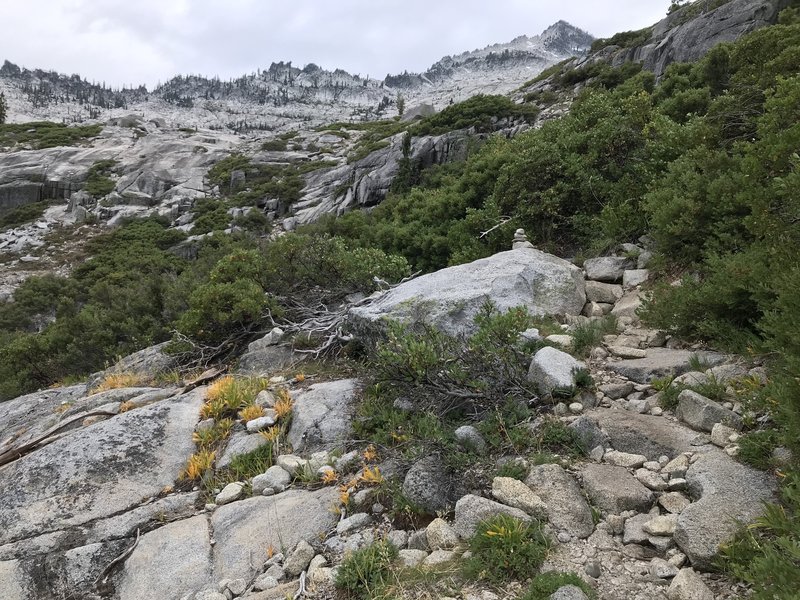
766,555
21,215
504,548
365,572
546,584
44,134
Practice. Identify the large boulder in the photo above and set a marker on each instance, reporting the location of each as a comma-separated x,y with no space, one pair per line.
552,370
729,494
451,298
322,415
702,413
607,268
429,485
567,509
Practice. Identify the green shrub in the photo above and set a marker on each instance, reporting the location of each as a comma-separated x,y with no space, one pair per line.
98,180
625,39
44,134
365,572
755,448
766,555
278,145
546,584
20,215
478,111
587,336
513,469
446,374
504,548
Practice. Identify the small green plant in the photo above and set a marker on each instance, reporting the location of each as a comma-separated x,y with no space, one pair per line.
755,448
546,584
584,379
365,572
589,335
767,553
553,436
698,363
504,548
513,469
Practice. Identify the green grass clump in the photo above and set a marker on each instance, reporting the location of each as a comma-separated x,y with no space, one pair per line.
513,469
504,548
546,584
589,335
365,572
756,447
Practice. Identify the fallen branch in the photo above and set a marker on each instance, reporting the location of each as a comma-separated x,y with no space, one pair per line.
102,579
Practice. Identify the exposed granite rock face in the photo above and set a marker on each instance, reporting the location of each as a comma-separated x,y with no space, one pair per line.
321,415
101,470
249,527
175,557
371,177
673,40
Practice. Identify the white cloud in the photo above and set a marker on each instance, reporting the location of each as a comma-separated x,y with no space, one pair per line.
124,42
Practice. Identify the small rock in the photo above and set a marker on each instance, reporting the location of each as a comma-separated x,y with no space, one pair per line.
441,536
568,592
615,391
230,493
592,568
703,413
677,467
260,424
576,408
439,557
515,493
353,522
316,563
419,540
651,480
299,559
674,502
624,352
470,439
412,558
397,538
291,463
347,462
624,459
721,434
265,582
663,525
237,587
688,585
661,569
472,510
275,478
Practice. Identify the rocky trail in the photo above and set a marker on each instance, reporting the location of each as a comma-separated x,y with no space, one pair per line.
101,510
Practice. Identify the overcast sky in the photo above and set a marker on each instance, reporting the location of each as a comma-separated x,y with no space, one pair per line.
147,41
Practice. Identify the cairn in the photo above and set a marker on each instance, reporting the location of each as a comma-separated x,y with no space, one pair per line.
520,240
